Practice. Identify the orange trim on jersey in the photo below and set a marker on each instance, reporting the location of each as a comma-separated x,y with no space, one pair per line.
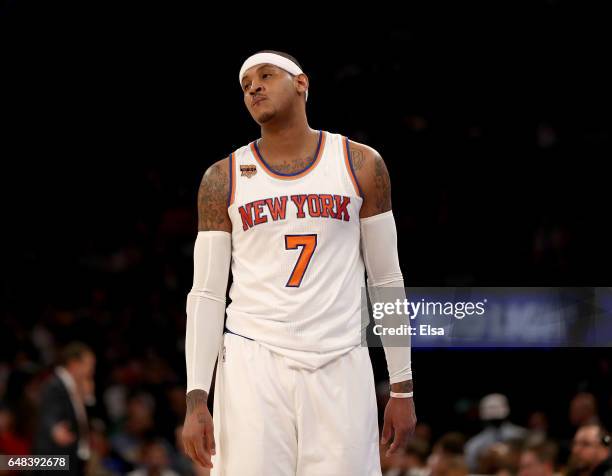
232,177
277,175
349,166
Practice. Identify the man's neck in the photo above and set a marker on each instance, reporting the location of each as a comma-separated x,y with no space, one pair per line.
291,139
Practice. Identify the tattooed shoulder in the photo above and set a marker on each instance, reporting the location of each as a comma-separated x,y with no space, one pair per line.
361,154
383,185
357,156
212,198
373,178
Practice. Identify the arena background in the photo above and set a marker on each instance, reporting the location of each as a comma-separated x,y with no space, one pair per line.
494,122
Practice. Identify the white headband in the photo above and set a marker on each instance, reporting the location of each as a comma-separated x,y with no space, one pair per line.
271,58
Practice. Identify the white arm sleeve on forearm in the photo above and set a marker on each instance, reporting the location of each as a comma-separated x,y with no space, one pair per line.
206,306
379,248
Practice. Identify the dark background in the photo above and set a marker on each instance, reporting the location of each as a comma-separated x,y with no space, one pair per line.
494,122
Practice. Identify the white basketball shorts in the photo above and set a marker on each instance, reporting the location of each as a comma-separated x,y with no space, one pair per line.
275,418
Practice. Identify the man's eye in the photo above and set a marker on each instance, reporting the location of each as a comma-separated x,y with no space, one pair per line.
266,74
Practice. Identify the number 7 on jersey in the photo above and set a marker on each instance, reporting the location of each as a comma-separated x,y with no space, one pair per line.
308,244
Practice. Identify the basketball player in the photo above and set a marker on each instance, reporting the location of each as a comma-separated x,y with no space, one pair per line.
299,214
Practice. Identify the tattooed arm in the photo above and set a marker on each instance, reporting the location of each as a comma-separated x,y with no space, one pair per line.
206,310
212,216
380,256
375,184
373,179
212,198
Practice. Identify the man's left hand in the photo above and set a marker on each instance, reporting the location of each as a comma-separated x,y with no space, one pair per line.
400,421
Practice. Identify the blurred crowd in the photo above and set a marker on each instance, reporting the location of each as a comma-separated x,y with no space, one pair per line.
128,421
503,448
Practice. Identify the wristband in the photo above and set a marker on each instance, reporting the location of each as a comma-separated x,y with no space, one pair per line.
401,395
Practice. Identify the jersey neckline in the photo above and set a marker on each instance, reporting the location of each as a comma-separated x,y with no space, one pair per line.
270,171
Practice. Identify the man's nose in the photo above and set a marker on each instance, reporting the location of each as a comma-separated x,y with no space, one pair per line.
255,88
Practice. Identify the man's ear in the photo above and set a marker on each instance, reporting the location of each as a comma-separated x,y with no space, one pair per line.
301,83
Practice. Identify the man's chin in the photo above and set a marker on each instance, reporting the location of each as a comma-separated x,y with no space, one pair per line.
578,466
265,117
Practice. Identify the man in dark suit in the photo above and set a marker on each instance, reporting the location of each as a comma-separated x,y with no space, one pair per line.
62,425
591,454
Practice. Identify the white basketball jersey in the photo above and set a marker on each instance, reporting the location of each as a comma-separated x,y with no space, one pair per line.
296,260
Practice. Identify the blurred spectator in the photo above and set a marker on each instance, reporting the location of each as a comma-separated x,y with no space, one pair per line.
452,443
538,460
10,442
104,460
171,412
441,464
494,411
410,461
537,425
62,425
447,458
590,452
128,374
21,398
154,460
416,456
137,426
422,432
500,459
583,410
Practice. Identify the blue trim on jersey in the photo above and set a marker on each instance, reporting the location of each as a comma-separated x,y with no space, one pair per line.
350,158
229,193
227,331
294,173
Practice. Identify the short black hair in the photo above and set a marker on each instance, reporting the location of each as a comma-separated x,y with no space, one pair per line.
545,451
603,436
418,448
451,443
74,351
281,53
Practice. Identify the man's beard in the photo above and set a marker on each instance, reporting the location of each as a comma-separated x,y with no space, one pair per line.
578,465
265,117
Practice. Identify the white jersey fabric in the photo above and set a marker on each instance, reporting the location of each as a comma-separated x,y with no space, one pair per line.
274,418
296,261
294,390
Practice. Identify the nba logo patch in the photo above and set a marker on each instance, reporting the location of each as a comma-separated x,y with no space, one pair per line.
223,355
247,171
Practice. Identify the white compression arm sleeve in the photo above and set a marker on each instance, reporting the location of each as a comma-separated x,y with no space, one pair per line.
379,248
206,306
